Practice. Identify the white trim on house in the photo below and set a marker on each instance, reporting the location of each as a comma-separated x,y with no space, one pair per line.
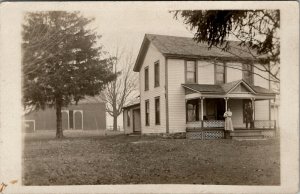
245,84
235,96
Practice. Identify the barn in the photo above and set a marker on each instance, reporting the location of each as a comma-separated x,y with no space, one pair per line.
88,114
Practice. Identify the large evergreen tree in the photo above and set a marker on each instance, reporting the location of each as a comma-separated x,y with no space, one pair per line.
61,62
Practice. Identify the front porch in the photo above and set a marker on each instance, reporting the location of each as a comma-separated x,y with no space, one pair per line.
206,104
214,129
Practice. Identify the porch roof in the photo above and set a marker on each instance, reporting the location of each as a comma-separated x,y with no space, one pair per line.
223,89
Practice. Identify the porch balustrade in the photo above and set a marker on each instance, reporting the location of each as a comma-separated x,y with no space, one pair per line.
206,124
213,123
265,124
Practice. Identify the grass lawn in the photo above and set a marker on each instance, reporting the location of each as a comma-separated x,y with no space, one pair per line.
85,158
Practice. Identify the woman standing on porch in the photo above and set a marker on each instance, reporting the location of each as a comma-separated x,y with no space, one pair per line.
228,121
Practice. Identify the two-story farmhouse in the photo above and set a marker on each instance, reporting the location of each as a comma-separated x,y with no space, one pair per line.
184,85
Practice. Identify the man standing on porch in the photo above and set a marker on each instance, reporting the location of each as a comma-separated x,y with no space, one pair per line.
249,115
228,121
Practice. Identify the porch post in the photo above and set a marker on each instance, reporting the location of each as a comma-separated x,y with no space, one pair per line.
253,107
201,108
201,121
226,106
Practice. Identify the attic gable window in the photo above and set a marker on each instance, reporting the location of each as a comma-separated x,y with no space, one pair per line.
190,72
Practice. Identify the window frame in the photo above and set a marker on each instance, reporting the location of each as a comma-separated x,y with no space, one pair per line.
224,73
156,75
147,115
196,107
195,73
251,71
146,84
157,117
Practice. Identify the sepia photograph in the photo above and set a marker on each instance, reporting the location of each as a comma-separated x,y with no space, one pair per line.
138,96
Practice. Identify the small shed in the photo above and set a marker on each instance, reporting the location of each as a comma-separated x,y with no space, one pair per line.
132,117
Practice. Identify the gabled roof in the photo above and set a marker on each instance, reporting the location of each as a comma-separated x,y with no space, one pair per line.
226,88
173,46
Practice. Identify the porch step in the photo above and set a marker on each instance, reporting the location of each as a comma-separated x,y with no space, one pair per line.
135,134
259,137
245,133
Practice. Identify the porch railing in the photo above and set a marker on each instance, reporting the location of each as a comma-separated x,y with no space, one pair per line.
194,124
213,123
265,124
206,124
258,124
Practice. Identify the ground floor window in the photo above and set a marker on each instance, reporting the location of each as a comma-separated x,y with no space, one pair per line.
192,110
147,112
157,111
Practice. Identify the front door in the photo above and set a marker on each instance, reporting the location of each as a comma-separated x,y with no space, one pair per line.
136,120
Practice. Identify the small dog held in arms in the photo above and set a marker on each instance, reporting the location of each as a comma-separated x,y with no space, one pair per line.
3,185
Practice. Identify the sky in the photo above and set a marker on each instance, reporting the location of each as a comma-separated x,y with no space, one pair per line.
126,29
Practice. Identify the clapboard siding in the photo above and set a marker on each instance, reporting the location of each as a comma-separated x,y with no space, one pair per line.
151,57
233,71
236,107
206,72
262,110
258,80
176,96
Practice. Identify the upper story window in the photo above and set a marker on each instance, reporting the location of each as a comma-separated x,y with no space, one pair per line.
220,73
146,78
191,72
156,74
248,73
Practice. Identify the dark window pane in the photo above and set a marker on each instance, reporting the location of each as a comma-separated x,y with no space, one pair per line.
147,113
156,74
190,65
157,111
220,78
247,73
190,77
71,119
220,68
146,78
128,117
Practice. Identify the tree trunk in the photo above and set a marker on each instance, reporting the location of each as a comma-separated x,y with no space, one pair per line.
59,131
115,125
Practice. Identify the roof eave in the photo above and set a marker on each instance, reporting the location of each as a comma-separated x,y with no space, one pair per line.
141,55
180,56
